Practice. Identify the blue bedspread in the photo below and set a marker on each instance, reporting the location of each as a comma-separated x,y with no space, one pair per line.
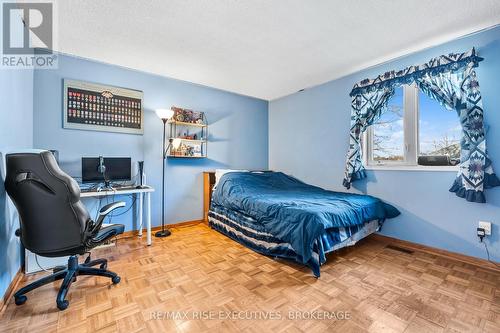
293,211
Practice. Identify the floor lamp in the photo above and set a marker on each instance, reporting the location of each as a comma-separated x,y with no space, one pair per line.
164,115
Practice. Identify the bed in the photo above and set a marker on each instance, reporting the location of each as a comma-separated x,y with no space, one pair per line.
278,215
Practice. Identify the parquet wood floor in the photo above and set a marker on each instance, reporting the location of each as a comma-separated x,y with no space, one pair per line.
197,269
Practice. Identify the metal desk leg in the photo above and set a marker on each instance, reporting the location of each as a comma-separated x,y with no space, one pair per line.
148,218
140,212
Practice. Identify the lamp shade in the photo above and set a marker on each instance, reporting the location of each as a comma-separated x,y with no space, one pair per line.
164,114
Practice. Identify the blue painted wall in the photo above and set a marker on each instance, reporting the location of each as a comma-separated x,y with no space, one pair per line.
16,132
238,133
308,137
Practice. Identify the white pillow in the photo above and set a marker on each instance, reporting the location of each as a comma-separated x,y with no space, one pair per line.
220,172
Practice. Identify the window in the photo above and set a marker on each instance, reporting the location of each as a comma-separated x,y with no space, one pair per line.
387,134
439,130
414,131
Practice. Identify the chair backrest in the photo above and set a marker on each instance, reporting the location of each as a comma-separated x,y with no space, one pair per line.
52,217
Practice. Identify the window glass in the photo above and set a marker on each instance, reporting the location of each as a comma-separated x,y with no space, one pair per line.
388,132
439,130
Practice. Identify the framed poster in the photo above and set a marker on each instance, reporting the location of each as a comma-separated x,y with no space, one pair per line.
97,107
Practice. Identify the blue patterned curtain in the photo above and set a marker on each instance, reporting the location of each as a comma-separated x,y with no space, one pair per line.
450,80
459,91
366,110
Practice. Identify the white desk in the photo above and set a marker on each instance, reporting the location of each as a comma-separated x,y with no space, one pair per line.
145,191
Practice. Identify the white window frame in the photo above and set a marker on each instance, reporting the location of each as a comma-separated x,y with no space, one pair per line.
411,139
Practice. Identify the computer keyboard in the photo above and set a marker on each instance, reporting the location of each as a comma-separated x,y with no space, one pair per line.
114,187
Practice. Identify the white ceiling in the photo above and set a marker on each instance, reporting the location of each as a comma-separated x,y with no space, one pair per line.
262,48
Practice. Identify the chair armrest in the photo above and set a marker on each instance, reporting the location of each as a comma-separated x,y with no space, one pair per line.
105,210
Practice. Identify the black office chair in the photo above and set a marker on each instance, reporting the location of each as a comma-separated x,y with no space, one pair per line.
54,222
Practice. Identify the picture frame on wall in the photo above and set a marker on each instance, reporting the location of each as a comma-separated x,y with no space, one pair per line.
97,107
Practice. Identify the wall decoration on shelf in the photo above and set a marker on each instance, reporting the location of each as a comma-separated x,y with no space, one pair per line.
188,116
97,107
188,134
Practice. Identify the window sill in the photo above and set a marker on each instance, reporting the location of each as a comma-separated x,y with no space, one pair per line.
412,168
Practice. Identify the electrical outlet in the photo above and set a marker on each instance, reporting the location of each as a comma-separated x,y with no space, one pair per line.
486,226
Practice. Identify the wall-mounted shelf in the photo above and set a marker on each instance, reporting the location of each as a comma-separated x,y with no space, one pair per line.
183,123
188,133
189,140
180,156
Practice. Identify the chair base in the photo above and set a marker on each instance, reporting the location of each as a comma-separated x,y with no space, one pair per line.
68,274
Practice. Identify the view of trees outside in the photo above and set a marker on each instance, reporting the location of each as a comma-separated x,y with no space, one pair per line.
439,130
388,131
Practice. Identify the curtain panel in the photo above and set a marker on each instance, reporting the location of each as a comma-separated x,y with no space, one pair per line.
450,80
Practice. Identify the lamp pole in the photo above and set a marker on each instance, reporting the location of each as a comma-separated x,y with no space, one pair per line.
164,232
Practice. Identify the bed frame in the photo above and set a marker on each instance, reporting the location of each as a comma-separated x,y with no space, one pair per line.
208,185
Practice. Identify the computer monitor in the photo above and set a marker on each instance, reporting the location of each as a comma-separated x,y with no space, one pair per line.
117,169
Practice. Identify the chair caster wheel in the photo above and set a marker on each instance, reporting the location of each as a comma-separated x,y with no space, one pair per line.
20,300
103,266
62,305
116,279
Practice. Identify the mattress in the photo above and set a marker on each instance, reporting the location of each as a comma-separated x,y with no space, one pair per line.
298,213
248,232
